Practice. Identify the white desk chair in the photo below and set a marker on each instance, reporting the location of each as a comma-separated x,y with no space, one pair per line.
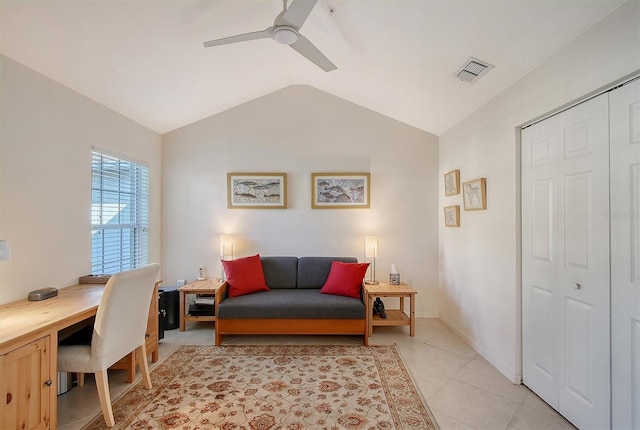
121,322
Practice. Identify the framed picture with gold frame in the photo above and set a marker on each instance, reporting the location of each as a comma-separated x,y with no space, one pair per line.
257,190
340,190
452,216
452,183
475,194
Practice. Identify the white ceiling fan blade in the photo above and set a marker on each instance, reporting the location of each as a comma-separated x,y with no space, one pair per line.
313,54
264,34
297,13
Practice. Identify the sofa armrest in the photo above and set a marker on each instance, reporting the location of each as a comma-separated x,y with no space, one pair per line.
221,294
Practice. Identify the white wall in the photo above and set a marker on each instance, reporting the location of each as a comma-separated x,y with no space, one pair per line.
299,130
479,268
46,135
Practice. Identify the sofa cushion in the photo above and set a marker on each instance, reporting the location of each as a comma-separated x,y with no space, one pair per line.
345,279
280,272
287,303
313,271
244,275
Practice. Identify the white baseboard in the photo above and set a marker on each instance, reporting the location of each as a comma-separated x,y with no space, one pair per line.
502,367
427,315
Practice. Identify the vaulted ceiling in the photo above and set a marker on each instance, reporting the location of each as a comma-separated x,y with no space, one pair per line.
145,58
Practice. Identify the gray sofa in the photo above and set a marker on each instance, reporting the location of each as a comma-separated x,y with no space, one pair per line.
293,304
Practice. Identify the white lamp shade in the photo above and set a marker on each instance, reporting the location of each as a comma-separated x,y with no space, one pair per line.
371,246
226,246
5,251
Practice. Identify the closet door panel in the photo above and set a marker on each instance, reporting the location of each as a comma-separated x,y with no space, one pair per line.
584,285
540,266
625,255
565,262
578,325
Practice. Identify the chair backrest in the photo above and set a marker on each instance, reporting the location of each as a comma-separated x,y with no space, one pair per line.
121,320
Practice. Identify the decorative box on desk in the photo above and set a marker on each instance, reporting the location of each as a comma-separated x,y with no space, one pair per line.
93,279
394,316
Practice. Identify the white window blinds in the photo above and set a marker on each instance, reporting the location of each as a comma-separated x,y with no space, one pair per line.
119,214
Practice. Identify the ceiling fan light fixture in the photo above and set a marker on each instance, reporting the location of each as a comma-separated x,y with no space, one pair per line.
285,35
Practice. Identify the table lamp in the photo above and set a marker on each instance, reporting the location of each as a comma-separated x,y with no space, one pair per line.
371,252
226,250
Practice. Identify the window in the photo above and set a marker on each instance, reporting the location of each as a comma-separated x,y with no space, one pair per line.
119,214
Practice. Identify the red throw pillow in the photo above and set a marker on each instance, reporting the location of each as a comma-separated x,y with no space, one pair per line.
244,275
345,279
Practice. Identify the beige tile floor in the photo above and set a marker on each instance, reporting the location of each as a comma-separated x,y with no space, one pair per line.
461,388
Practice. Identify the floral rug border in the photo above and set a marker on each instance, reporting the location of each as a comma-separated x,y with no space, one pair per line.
406,404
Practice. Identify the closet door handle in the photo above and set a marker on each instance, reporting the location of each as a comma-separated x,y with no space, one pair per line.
577,286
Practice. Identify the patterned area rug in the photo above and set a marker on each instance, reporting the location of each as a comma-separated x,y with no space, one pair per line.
275,387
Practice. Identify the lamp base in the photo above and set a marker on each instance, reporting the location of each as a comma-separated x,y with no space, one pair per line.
371,282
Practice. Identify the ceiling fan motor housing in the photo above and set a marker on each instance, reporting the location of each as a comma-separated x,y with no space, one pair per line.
285,34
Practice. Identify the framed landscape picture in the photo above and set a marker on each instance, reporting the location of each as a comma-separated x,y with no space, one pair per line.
475,195
256,190
340,190
452,216
452,183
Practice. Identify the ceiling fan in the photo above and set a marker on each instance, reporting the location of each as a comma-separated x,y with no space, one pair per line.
285,30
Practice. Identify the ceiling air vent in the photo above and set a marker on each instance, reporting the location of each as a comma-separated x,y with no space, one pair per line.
472,70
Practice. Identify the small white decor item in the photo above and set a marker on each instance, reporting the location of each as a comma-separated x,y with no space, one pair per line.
394,276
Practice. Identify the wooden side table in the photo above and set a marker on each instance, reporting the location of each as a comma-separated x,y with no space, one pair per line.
205,286
394,316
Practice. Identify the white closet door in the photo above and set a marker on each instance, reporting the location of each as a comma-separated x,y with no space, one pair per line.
625,255
565,262
540,319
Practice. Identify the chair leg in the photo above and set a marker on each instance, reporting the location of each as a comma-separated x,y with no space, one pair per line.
102,384
141,355
80,379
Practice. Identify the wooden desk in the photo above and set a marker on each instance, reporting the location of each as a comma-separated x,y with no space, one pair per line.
28,353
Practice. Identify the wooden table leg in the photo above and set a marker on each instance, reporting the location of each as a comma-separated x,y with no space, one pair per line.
412,315
370,299
182,320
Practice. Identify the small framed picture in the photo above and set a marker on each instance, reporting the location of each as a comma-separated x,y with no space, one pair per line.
257,190
339,190
452,216
475,195
452,183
